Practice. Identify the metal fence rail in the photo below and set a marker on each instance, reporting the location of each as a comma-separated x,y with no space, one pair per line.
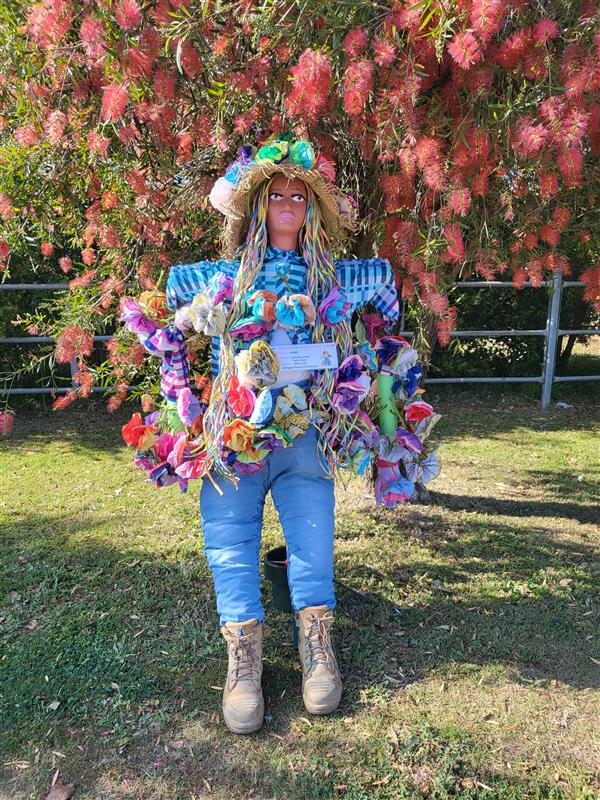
551,333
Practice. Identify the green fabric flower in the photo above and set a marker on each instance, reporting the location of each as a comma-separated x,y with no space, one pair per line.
275,151
302,153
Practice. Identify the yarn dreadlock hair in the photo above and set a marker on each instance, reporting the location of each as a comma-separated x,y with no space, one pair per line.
314,246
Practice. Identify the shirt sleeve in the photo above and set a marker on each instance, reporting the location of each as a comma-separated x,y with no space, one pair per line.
185,281
371,280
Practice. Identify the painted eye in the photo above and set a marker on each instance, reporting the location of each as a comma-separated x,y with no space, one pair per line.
301,196
274,194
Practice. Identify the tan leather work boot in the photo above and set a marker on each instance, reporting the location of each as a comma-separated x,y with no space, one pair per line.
321,679
243,702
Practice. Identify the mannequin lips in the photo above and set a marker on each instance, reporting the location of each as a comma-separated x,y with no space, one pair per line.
286,216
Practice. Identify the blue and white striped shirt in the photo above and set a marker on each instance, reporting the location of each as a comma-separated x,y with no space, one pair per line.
363,280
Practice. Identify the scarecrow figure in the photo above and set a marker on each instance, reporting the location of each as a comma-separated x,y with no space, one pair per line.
287,408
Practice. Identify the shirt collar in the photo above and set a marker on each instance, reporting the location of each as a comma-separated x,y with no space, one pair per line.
276,252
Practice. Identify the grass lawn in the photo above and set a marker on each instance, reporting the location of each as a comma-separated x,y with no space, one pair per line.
467,628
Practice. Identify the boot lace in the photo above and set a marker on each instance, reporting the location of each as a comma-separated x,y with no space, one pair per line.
244,656
318,642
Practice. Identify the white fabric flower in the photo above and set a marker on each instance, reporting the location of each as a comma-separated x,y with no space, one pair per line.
206,317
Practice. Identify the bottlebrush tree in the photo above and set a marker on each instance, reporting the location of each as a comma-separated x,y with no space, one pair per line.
468,130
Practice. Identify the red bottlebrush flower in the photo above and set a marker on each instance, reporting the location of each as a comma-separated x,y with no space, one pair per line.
446,325
455,252
430,160
128,14
190,60
486,265
561,215
7,419
534,270
572,128
54,126
147,403
6,207
486,17
459,201
513,49
47,248
548,184
137,181
109,200
550,235
73,342
358,82
48,22
384,52
91,35
545,30
437,302
114,102
65,264
530,239
64,401
519,278
27,135
570,164
4,249
83,280
98,144
355,42
311,78
88,256
465,49
164,83
529,138
591,278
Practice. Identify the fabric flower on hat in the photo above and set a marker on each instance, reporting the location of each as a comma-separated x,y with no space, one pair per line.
135,319
189,407
238,435
258,366
220,287
417,411
221,194
302,153
207,317
240,398
275,151
391,487
325,167
334,307
138,435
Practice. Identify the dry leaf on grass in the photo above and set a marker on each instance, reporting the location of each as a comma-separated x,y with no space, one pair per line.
61,792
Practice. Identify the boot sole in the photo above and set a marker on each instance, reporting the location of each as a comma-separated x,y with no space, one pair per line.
244,729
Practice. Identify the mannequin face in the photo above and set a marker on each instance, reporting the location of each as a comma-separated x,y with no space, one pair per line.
286,211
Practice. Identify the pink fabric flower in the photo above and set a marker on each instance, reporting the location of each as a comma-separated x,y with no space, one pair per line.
334,307
391,487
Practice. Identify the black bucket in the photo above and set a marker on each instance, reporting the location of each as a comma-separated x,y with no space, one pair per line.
275,566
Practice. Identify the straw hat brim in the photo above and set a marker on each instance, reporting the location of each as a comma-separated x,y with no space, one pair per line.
337,224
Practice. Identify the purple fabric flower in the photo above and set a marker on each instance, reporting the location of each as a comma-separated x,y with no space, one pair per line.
131,315
391,487
334,307
220,287
189,407
248,469
350,369
150,419
409,440
347,397
387,348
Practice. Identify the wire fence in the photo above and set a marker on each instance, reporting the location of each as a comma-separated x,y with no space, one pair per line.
552,332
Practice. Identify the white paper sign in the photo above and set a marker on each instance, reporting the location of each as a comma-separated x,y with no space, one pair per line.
306,356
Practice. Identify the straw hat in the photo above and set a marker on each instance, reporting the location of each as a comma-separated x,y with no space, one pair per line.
233,194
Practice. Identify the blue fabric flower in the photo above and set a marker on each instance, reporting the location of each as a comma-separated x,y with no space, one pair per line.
289,312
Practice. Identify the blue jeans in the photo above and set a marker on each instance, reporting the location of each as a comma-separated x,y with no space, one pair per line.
232,523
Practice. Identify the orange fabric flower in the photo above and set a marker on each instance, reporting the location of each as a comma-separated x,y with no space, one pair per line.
239,435
154,304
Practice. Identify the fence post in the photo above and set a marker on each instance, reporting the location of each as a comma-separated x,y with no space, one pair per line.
551,341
